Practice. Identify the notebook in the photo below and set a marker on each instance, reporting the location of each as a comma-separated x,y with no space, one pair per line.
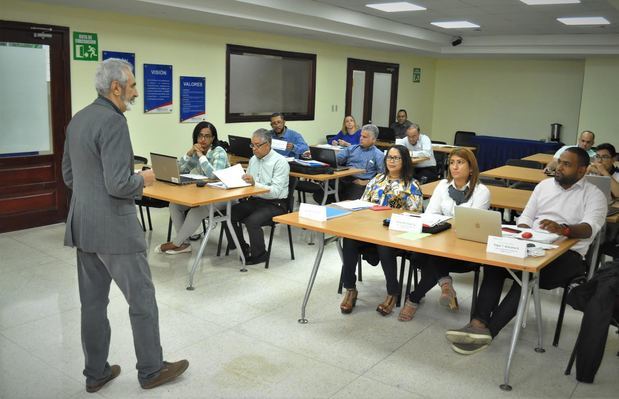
326,155
476,224
166,169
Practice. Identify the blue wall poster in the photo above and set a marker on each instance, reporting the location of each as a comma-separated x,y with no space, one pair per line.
129,57
193,99
157,89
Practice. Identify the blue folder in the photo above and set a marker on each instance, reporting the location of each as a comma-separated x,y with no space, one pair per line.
336,212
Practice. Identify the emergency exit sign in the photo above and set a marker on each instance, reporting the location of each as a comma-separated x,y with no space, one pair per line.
85,46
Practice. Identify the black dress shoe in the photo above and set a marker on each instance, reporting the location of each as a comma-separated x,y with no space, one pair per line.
254,260
95,387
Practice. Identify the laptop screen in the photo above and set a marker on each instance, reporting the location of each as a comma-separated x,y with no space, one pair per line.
326,155
165,167
240,146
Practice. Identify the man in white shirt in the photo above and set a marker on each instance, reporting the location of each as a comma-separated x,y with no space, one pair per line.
420,145
266,169
567,205
585,141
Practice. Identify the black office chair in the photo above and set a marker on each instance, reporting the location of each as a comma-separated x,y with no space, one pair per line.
148,202
330,138
441,160
464,139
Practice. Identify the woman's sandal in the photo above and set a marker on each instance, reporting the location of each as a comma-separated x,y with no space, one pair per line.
386,307
408,311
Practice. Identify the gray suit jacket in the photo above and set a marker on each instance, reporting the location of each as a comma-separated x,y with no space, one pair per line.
98,166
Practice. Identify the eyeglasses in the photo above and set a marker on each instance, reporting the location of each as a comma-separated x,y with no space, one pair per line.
256,146
205,136
394,159
603,157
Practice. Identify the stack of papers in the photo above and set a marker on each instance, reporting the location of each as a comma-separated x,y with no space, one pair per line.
310,163
354,205
539,236
231,177
194,176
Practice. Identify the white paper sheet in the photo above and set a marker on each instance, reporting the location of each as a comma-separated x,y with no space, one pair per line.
279,144
232,177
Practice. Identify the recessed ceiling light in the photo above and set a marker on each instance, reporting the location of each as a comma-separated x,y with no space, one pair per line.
455,24
545,2
396,7
584,21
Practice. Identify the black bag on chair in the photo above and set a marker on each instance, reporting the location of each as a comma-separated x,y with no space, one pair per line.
310,170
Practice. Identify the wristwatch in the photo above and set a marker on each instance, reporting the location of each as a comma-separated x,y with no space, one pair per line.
565,230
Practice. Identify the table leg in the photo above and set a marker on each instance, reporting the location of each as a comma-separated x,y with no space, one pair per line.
524,292
310,283
538,316
337,190
235,239
198,259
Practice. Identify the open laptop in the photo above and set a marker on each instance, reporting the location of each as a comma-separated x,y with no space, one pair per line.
166,169
477,224
326,155
386,134
603,183
240,146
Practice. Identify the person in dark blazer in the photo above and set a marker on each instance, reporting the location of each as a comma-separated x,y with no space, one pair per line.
97,165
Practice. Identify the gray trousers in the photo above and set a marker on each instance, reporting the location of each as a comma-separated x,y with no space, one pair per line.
186,220
132,275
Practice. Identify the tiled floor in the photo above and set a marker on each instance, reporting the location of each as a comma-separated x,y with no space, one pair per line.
241,336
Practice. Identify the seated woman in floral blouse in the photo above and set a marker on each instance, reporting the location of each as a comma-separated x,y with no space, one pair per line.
395,188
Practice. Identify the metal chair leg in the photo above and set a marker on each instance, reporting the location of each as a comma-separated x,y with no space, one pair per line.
170,230
150,224
290,242
360,276
142,218
266,266
221,237
555,341
475,289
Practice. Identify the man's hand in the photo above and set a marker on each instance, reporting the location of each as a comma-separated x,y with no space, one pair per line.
551,226
148,176
249,179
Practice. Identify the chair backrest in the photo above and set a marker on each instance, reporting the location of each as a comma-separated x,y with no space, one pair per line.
292,185
140,159
465,139
525,163
438,142
329,138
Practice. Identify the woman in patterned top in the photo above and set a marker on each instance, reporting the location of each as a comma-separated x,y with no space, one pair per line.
203,157
395,188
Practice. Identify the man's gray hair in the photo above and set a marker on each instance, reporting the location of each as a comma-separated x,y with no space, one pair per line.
414,126
263,135
108,71
370,129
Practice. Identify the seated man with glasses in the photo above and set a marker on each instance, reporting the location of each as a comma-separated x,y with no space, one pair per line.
420,145
204,156
603,164
266,169
295,144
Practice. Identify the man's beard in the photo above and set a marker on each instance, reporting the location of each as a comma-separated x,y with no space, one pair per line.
128,103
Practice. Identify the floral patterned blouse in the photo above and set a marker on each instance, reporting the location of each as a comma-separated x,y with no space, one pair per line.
392,192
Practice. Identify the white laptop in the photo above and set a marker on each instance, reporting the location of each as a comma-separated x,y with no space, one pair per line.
603,183
476,224
166,169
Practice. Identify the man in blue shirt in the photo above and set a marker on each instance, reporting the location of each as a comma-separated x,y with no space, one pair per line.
295,145
365,156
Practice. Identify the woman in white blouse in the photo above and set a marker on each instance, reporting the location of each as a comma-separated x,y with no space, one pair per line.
460,188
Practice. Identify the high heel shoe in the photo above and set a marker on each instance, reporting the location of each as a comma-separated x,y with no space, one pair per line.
408,311
386,307
349,301
448,296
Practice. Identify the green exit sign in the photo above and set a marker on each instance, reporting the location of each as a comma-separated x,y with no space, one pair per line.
85,46
416,75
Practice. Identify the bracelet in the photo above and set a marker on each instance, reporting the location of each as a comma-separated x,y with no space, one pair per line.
566,231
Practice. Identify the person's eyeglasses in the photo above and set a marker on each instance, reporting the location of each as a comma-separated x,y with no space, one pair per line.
603,157
205,136
394,159
256,146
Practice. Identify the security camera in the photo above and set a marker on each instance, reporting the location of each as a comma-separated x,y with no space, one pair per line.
457,41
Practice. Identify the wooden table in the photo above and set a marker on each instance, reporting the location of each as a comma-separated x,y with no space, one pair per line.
234,159
516,173
500,197
368,228
191,195
446,149
544,159
324,179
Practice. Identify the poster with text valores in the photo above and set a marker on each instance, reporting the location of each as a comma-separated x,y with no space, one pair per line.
157,89
193,99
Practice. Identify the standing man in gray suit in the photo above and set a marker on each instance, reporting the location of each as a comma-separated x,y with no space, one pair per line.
98,166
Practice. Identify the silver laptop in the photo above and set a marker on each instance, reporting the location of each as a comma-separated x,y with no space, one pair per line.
326,155
603,183
166,169
476,224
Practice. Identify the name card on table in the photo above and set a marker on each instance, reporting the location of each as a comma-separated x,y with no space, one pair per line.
313,212
405,223
279,144
507,246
